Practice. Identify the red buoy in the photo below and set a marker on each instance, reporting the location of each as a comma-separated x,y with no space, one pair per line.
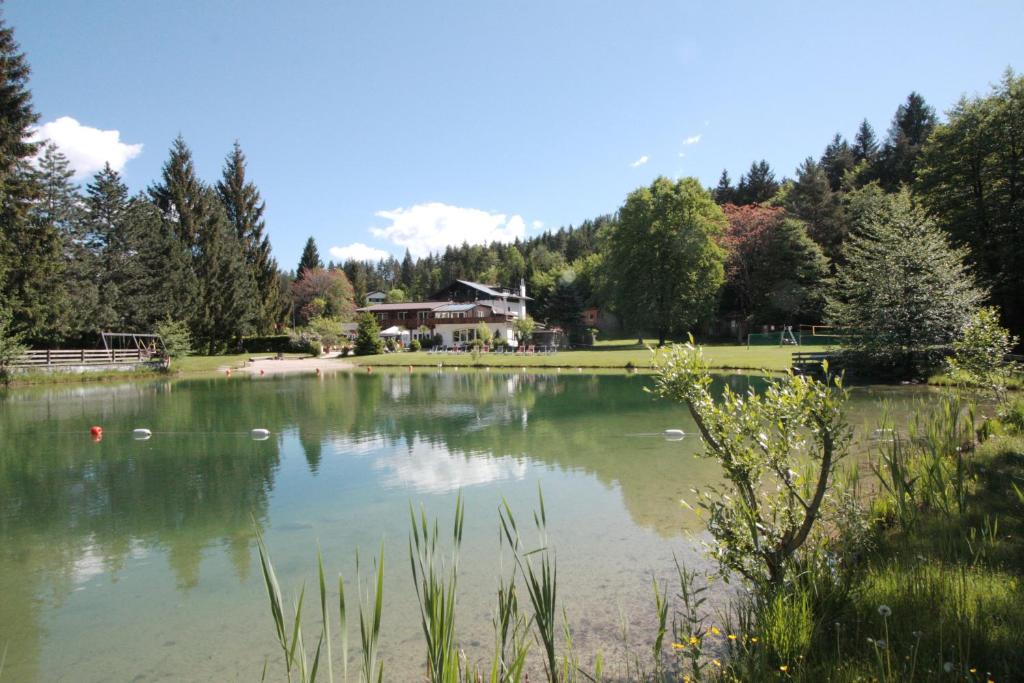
318,371
369,370
96,431
262,371
228,372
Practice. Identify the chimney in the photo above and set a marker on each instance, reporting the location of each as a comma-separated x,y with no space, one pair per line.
522,287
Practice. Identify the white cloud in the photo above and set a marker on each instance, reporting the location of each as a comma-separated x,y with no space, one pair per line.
359,252
639,162
537,225
85,147
429,228
692,140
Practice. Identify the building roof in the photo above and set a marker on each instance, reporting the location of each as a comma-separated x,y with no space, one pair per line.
409,306
452,308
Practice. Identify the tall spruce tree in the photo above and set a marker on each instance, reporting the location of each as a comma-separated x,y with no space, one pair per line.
911,125
724,192
758,185
244,209
178,194
310,259
837,160
170,290
67,296
226,287
117,240
17,191
812,200
865,144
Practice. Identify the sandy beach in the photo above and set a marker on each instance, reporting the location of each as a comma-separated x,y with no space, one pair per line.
272,366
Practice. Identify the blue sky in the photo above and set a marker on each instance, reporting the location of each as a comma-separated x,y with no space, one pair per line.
415,124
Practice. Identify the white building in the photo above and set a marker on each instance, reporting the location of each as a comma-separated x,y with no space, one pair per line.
456,312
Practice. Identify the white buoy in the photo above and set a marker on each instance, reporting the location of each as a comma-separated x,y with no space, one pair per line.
674,434
260,434
141,434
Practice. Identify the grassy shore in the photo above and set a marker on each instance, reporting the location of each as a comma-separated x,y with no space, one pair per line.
189,365
611,354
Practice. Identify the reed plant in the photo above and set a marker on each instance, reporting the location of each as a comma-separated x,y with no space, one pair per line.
436,588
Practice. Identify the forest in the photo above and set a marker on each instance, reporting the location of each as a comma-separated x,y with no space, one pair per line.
768,248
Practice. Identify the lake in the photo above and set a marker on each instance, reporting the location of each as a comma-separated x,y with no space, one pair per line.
128,560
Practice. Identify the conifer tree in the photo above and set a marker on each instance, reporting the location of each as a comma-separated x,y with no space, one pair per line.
758,185
170,290
244,209
116,241
904,293
310,259
724,191
17,190
812,200
406,278
911,126
865,144
837,159
226,286
178,195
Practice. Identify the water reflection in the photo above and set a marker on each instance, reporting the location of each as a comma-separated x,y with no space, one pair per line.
73,512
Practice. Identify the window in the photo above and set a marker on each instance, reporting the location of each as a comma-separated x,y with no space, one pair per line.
423,315
400,315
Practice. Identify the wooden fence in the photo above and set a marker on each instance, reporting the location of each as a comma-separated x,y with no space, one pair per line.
72,357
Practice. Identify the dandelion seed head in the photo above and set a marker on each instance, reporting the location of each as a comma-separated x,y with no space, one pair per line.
947,667
884,610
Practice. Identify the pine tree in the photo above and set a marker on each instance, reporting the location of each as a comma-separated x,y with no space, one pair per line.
310,258
244,209
758,185
904,293
170,290
16,188
724,193
116,241
407,272
911,126
226,287
368,336
837,159
865,145
70,298
178,195
812,200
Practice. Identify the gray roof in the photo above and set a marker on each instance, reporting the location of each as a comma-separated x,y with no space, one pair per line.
411,306
490,291
457,307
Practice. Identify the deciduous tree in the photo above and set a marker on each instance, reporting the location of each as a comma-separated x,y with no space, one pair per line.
665,259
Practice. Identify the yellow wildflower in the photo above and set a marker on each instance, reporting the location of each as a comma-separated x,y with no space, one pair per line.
694,640
678,646
714,629
784,668
732,636
754,639
716,662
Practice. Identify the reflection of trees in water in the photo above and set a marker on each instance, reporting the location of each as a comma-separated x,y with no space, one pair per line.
71,509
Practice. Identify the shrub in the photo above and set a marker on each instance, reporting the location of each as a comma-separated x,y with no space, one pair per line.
316,348
274,343
368,341
415,345
176,337
10,344
778,451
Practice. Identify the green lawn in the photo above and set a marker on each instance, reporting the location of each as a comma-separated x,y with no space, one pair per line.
196,364
611,354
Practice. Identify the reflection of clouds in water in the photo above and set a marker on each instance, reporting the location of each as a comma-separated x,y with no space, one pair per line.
357,445
92,564
428,468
